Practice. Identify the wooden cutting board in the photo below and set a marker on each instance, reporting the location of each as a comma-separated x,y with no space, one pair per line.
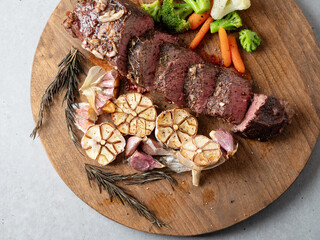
286,65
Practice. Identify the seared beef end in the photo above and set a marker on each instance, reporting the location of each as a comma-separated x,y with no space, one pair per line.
266,118
143,58
172,69
106,29
200,85
231,97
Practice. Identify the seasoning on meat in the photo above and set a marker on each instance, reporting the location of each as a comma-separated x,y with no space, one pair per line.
200,85
172,69
106,27
231,98
143,56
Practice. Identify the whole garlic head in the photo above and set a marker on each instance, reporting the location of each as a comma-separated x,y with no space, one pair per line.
100,87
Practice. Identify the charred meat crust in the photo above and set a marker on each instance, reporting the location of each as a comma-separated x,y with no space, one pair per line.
106,29
268,121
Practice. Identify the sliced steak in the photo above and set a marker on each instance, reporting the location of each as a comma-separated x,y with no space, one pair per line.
106,27
200,85
172,69
266,118
144,56
231,97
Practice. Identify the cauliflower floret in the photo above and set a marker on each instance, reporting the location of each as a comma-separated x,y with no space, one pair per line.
222,7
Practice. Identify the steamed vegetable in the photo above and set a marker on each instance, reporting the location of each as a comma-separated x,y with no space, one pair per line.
197,19
222,7
153,9
249,40
224,46
235,55
174,15
202,32
229,22
199,6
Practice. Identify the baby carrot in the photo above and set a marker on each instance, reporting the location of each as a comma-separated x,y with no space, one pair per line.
197,19
235,55
202,32
224,46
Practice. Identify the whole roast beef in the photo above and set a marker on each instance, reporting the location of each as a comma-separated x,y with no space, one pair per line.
157,62
106,27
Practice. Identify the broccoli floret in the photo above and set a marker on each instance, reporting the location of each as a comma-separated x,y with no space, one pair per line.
173,15
199,6
153,9
249,40
229,22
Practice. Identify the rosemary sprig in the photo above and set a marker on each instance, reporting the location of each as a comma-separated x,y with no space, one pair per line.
66,79
106,181
136,178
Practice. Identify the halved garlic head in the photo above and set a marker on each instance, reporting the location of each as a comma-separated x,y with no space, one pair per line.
134,115
100,87
200,153
175,127
103,143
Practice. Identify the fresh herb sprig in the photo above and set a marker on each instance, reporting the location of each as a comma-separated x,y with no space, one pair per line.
106,180
66,79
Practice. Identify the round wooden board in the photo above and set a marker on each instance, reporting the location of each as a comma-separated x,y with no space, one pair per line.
286,65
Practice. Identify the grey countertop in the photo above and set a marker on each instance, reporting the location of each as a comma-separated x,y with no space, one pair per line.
34,201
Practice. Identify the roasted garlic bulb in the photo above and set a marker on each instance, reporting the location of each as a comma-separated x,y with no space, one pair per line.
100,87
103,143
175,126
200,153
134,115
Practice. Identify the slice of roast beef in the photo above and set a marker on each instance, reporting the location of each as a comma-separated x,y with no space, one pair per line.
106,27
172,70
200,85
231,97
266,118
143,56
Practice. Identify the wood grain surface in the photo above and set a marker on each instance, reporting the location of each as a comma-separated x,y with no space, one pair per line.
286,66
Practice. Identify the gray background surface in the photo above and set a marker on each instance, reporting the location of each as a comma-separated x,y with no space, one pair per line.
34,201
